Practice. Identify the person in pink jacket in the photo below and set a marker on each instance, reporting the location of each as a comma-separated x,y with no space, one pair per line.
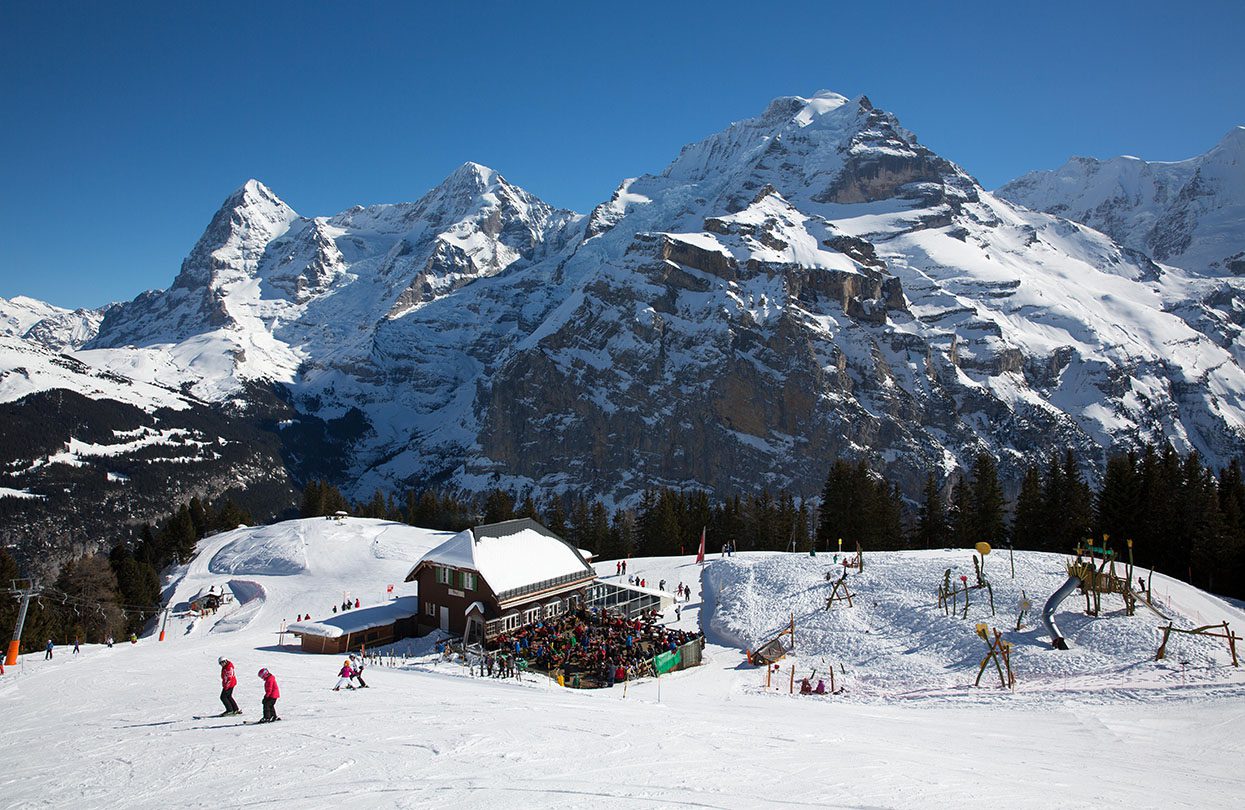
344,676
228,680
271,693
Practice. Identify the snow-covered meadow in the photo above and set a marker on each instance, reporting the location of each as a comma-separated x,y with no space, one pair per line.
1100,724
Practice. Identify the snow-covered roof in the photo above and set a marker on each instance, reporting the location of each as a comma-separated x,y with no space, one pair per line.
360,619
510,555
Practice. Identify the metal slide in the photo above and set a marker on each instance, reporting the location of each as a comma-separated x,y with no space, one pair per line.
1048,612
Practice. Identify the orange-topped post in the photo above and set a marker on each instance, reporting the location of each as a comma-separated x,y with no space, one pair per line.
15,644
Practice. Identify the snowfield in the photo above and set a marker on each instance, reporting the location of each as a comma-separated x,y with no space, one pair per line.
1101,724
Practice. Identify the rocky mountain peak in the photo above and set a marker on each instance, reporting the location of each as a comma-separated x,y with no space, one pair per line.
1185,213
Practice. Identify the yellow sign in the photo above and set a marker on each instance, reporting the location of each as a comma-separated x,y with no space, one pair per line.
983,549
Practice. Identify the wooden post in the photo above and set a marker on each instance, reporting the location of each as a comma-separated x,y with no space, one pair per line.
793,679
1167,631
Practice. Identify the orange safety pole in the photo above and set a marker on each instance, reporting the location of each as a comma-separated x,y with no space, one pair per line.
15,644
164,623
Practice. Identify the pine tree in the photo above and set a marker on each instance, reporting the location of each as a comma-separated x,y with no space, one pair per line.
931,527
198,517
1118,506
498,506
963,525
313,500
1030,529
555,516
987,503
178,535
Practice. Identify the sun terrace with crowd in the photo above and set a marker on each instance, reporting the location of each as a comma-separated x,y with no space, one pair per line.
588,648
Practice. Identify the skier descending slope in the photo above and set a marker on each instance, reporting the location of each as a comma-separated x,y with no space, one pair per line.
271,693
228,680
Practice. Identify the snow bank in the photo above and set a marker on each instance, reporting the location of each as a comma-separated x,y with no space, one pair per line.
267,551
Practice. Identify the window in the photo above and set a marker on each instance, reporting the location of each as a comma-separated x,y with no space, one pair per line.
430,609
510,622
531,614
553,609
467,580
443,575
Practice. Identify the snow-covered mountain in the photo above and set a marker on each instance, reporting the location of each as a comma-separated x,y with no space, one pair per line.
809,283
48,326
1188,213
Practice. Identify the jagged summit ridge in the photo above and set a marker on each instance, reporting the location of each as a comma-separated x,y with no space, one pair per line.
1186,213
806,284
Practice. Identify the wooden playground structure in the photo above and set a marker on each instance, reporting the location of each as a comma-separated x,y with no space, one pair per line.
1095,567
774,650
1000,652
840,592
1231,637
949,591
857,561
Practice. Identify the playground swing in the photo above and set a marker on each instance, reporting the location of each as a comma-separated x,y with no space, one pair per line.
997,649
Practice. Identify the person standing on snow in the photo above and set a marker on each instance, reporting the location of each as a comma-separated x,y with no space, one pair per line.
271,693
75,645
356,664
47,651
228,680
344,676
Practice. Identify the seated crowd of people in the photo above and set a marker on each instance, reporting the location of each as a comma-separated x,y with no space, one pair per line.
590,648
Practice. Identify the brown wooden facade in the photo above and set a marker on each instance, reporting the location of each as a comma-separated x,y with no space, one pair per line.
459,600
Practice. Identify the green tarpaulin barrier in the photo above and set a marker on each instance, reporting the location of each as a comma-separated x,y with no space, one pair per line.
666,661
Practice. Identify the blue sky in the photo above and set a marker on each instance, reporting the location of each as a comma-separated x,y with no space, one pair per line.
126,125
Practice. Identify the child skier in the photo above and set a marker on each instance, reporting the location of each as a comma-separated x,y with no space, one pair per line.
356,664
271,693
228,680
344,676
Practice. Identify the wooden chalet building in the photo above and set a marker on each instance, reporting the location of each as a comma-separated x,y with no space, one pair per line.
490,579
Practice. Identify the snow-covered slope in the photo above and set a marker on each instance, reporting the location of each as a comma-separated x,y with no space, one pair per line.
895,642
117,727
1187,213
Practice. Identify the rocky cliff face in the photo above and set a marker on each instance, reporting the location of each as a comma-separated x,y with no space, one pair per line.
806,284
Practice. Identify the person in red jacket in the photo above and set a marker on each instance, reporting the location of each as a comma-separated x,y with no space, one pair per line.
271,693
228,680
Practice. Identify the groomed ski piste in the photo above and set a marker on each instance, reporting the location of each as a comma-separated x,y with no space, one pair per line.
1100,724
